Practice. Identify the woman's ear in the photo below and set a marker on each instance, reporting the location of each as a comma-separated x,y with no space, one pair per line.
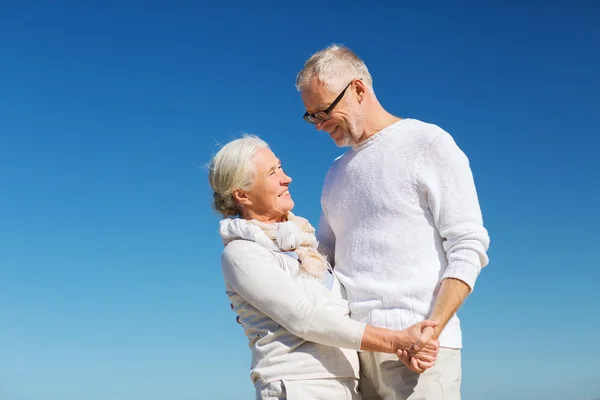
241,197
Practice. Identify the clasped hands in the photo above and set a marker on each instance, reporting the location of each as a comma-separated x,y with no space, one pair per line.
422,353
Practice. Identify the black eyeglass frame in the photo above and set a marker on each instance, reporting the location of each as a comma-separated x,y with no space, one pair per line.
323,115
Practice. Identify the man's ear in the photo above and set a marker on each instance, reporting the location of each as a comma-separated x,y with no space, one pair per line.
241,197
360,89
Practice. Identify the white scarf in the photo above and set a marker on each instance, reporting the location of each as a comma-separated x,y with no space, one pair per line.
296,234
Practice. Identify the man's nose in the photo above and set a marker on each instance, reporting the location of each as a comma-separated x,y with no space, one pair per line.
319,125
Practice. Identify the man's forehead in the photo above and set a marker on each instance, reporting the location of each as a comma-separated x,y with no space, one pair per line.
315,96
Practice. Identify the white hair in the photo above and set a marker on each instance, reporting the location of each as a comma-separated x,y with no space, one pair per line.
230,169
336,66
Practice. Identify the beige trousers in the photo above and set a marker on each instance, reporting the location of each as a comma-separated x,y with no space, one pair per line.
385,377
310,389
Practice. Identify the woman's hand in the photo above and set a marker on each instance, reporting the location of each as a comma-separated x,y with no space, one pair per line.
411,335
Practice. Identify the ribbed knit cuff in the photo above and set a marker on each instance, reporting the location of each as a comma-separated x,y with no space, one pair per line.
463,271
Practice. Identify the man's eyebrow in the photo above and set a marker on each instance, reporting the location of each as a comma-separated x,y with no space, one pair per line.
320,107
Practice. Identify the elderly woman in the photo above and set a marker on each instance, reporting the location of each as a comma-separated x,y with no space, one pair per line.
304,345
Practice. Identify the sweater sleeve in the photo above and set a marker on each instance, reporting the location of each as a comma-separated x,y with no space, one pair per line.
254,273
445,176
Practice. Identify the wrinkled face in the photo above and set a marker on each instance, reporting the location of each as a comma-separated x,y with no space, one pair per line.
345,123
269,198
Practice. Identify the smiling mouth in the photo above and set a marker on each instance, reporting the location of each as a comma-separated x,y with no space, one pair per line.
333,131
287,192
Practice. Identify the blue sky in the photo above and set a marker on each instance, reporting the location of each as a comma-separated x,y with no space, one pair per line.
110,282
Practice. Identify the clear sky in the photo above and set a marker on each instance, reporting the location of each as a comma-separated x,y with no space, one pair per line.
110,281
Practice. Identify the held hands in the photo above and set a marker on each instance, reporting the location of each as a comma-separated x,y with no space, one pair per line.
423,350
419,347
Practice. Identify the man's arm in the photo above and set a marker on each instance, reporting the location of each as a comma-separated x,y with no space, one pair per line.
445,176
453,293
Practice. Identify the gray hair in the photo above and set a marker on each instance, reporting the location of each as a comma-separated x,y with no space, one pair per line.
335,66
230,169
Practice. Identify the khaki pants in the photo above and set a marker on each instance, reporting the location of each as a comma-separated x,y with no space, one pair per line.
310,389
385,377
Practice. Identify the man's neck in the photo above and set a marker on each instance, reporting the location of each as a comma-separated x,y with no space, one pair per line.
377,123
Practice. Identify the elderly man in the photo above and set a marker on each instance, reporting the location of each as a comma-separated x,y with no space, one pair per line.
400,223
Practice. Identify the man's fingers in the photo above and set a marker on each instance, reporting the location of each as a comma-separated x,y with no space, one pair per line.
429,351
423,365
404,356
432,345
415,366
425,357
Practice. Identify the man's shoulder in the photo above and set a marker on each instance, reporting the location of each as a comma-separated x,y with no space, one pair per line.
339,159
337,163
424,131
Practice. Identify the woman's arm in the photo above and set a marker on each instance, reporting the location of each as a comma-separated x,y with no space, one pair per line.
254,273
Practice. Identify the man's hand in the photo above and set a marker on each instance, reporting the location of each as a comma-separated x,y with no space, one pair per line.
421,361
452,294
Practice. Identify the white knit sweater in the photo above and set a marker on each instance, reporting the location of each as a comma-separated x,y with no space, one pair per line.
401,213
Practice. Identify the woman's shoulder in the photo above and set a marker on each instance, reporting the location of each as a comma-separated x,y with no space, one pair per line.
240,249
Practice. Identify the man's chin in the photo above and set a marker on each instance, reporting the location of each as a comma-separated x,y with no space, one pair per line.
343,142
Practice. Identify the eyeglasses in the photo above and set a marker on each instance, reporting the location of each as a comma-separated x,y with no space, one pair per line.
322,116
